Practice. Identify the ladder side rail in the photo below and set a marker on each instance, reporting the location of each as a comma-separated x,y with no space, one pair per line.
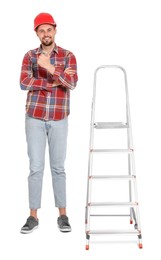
130,187
128,114
131,167
90,157
131,160
137,209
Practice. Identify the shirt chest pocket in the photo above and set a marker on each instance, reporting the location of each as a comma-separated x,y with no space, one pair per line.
59,63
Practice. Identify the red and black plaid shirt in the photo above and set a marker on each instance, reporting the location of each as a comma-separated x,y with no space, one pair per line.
44,101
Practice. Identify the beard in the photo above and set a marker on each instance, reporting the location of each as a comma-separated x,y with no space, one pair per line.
47,42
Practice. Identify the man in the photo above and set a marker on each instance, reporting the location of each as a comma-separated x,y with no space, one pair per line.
48,73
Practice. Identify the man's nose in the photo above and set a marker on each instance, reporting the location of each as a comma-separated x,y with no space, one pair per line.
45,33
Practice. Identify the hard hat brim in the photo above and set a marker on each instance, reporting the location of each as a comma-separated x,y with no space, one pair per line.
54,24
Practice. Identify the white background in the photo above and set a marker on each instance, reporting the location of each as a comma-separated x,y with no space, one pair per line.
123,32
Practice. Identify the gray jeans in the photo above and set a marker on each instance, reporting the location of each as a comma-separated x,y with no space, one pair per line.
37,133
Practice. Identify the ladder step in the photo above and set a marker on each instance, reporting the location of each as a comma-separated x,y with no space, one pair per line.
112,151
108,125
127,204
109,215
115,232
119,177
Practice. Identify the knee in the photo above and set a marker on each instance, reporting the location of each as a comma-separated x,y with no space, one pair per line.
59,170
36,169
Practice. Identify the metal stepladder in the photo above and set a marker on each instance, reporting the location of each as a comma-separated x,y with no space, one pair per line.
129,178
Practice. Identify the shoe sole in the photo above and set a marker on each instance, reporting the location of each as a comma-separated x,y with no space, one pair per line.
28,231
65,229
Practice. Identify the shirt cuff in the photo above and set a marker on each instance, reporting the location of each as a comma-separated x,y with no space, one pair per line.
57,73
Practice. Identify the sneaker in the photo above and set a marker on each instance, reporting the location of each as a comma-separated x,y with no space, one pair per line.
63,224
31,225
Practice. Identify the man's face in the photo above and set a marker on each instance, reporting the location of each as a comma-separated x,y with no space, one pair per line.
46,34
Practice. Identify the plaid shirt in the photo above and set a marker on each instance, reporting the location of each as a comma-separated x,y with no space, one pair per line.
44,101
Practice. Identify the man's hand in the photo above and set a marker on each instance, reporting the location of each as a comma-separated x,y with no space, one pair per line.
70,71
56,83
44,62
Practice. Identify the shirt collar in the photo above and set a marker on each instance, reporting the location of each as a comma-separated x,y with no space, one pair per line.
39,50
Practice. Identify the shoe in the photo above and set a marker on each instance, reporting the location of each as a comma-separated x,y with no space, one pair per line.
63,224
31,225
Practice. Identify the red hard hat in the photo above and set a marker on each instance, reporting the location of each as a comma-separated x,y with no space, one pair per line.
43,18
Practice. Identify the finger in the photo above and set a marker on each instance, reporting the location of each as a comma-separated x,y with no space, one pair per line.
70,71
67,69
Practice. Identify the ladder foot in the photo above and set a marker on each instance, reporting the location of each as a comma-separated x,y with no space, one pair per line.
131,221
140,245
87,247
